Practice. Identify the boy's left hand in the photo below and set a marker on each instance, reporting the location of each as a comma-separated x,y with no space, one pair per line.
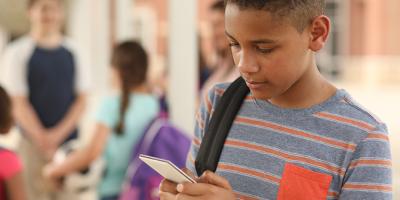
210,186
48,171
48,174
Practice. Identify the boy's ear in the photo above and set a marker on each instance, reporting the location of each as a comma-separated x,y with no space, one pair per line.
319,31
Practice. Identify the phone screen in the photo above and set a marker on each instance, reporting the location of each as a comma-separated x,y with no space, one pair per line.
166,169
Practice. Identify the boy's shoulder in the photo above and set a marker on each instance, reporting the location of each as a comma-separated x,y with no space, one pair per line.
348,111
342,109
219,88
216,92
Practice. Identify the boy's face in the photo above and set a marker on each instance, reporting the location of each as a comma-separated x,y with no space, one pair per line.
269,52
46,15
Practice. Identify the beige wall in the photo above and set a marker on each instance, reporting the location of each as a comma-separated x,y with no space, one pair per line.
374,27
160,8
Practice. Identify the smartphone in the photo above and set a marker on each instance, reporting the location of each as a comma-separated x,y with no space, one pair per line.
166,169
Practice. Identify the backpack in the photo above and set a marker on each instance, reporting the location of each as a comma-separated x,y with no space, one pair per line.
219,126
161,139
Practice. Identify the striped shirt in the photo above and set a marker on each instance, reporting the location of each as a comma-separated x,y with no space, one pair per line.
336,145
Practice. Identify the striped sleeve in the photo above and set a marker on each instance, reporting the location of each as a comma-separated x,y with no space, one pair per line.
369,175
202,117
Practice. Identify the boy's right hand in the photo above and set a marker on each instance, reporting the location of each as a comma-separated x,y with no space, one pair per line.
44,146
209,186
168,188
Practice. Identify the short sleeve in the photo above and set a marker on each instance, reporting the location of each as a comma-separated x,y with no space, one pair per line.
107,112
10,164
83,74
14,68
369,175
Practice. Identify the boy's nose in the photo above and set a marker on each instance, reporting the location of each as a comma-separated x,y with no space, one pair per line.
247,63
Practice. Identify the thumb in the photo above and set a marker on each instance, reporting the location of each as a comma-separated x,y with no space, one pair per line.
214,179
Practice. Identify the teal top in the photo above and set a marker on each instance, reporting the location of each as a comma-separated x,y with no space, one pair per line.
142,109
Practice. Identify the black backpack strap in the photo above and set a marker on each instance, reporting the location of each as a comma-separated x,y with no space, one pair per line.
219,126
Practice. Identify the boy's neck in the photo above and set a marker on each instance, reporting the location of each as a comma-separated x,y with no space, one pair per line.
309,90
46,39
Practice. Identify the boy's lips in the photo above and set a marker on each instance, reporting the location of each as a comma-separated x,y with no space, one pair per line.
255,84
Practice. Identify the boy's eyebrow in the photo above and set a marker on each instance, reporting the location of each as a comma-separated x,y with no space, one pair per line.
258,41
229,35
263,41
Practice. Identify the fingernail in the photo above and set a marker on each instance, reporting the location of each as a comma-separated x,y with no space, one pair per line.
204,174
179,187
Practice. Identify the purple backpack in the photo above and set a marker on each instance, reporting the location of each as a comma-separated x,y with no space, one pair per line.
163,140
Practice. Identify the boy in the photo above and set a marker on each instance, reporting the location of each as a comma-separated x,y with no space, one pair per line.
296,136
11,182
48,85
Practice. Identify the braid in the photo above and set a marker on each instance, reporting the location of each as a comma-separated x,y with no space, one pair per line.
130,60
124,106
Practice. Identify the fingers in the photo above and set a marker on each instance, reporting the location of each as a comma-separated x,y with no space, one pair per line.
166,196
47,171
168,187
209,183
169,196
182,196
195,189
212,178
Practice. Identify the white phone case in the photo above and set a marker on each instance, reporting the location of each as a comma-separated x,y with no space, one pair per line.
166,169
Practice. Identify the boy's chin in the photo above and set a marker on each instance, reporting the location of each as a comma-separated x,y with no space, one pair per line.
260,95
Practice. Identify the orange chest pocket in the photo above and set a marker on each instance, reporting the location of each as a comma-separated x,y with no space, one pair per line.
298,183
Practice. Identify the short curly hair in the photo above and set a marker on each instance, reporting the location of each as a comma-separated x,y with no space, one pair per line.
5,111
299,12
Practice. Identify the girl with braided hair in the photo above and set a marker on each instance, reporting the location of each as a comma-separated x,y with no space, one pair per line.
121,120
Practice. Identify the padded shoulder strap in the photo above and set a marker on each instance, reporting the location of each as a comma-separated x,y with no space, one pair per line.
219,126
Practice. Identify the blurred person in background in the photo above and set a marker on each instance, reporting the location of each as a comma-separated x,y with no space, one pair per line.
121,122
204,69
48,83
11,182
224,69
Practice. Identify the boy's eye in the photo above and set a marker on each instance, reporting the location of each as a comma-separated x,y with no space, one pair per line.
233,44
264,50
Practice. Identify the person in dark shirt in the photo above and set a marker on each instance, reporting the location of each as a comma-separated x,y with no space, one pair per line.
48,84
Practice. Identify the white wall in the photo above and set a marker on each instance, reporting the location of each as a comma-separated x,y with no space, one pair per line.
182,64
89,27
